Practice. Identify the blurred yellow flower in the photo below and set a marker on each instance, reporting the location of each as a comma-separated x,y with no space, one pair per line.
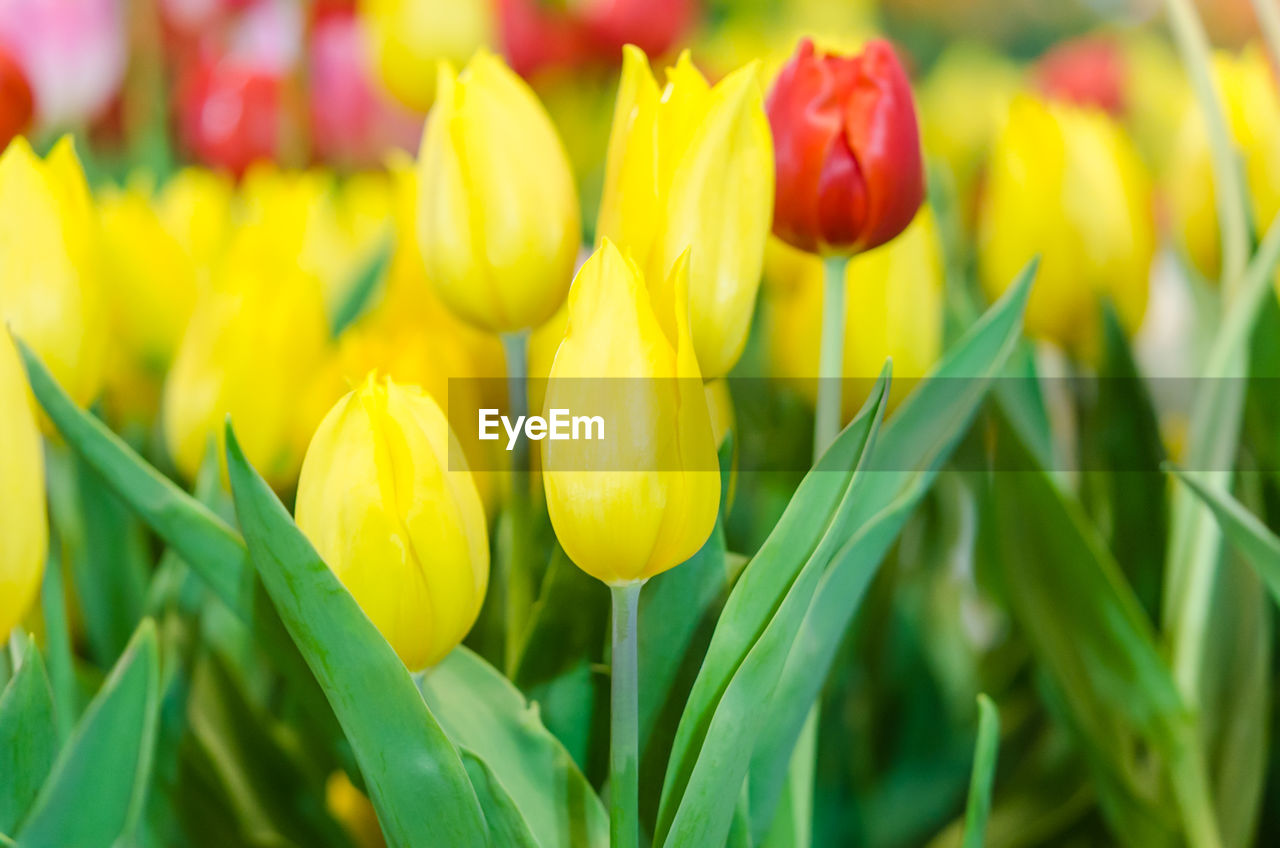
24,530
50,292
1246,88
195,208
498,220
408,38
893,308
1066,184
963,103
643,498
331,228
690,168
354,810
150,278
386,499
253,347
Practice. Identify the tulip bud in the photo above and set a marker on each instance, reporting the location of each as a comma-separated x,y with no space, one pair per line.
402,530
691,169
893,308
1247,91
253,345
1087,71
498,221
231,113
150,279
1066,184
194,207
850,170
24,531
49,288
643,498
409,38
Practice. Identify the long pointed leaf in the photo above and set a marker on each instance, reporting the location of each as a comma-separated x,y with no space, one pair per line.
415,777
95,792
913,446
723,719
28,736
481,710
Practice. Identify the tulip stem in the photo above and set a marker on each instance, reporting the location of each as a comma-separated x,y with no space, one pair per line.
517,594
624,758
826,423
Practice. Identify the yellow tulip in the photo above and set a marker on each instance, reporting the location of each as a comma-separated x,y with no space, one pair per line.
1066,183
150,278
893,308
24,531
354,810
408,38
194,207
690,168
963,103
498,220
50,293
1247,90
252,348
387,501
643,498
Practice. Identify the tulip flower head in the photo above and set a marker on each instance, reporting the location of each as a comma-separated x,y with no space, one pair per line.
24,530
50,293
17,104
408,38
1067,184
849,168
498,219
644,498
690,168
402,529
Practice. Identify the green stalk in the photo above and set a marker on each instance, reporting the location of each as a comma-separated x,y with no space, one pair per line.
1268,15
1228,183
826,423
624,713
513,579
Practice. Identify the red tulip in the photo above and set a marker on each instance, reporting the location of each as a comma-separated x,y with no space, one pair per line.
1086,71
537,35
17,105
229,114
850,175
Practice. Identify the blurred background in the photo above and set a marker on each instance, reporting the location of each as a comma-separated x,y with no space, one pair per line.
259,138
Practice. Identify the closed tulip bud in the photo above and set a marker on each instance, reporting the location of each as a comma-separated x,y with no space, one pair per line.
401,528
643,498
498,221
254,343
50,293
1246,89
850,170
1066,184
24,531
893,308
194,207
150,280
409,38
691,169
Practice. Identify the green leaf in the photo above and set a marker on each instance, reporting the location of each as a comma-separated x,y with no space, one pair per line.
1243,530
415,777
507,827
903,465
481,711
358,294
28,735
723,718
97,787
985,754
109,574
204,541
1088,633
